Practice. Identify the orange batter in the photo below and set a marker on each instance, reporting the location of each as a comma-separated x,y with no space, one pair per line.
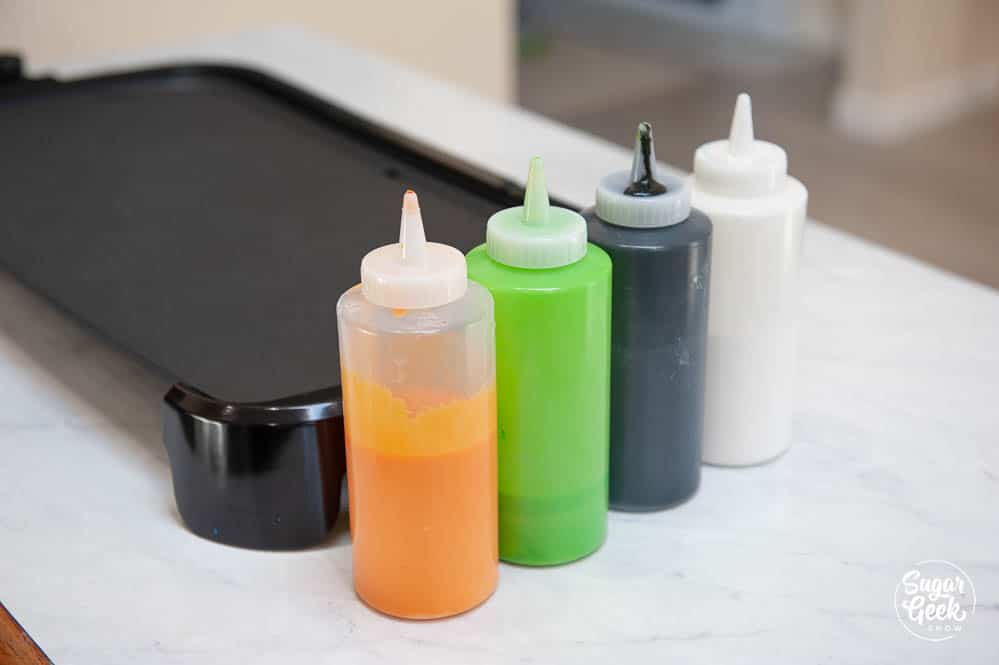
421,471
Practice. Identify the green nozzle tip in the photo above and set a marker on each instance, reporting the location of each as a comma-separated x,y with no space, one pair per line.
536,205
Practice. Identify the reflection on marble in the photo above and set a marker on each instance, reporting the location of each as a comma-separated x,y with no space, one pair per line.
895,459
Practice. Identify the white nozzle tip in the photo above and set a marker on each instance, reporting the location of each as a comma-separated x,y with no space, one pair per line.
740,138
412,240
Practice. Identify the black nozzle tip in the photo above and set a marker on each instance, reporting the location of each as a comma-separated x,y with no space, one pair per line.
643,165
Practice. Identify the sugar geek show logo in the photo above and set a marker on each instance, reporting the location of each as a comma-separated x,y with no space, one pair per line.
934,600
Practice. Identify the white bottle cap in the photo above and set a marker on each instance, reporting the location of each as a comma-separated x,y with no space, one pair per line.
740,166
413,273
643,199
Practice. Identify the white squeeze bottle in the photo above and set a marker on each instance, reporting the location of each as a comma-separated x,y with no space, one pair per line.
758,212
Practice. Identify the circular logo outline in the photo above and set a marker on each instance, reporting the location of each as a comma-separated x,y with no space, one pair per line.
902,620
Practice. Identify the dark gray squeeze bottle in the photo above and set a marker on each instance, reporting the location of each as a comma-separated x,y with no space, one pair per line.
661,251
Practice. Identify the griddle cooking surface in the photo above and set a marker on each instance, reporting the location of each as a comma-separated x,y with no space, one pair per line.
208,223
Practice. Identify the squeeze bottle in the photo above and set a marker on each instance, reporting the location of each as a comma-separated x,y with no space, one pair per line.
419,397
661,251
758,212
552,292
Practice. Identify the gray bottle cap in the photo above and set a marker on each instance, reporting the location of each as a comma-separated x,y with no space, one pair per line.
616,207
641,198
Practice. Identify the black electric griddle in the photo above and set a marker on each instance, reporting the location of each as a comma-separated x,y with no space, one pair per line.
206,219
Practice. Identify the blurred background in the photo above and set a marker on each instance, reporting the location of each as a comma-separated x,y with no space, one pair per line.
888,108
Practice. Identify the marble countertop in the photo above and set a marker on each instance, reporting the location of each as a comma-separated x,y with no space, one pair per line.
895,460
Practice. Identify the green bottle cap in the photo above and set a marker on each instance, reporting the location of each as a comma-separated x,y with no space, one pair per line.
536,235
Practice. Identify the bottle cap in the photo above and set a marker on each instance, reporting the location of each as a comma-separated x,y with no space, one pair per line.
740,166
536,235
641,198
413,273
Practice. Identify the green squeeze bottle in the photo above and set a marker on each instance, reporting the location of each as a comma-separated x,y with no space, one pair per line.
552,292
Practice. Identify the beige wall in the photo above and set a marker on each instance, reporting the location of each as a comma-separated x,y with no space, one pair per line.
470,42
899,45
911,65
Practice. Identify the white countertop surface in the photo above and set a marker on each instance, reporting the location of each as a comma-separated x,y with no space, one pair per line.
895,460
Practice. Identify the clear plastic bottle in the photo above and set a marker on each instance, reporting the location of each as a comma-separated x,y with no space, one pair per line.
418,374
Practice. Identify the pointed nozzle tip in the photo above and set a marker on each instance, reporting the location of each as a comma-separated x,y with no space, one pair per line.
536,172
740,137
643,165
410,202
411,236
536,202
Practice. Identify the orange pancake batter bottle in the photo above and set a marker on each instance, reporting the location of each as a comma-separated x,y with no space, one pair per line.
419,393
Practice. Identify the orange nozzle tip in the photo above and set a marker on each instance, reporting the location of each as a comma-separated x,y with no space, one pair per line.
409,201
